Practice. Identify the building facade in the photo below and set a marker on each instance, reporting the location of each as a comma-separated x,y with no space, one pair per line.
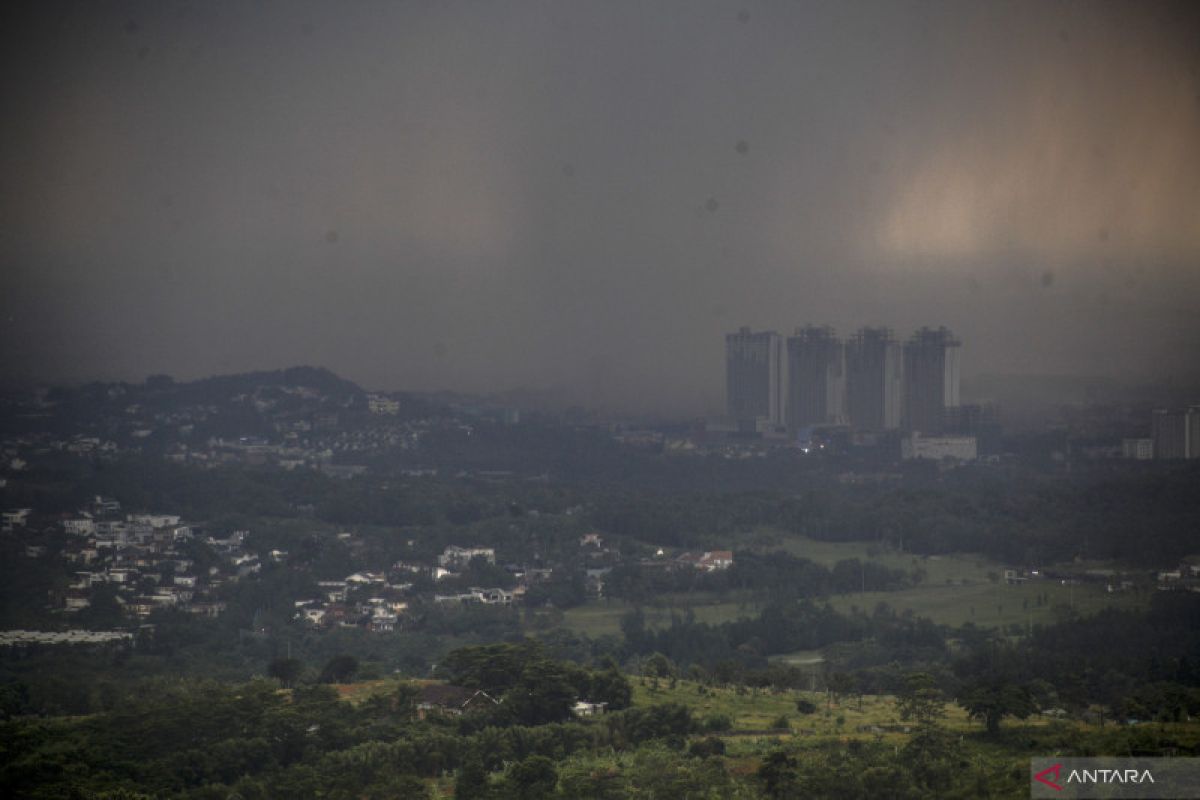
1137,449
1176,433
816,369
932,372
754,377
874,380
939,448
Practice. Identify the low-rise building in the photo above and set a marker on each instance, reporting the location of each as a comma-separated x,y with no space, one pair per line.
455,557
938,448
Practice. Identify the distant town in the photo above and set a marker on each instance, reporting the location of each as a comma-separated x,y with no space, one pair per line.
814,389
861,408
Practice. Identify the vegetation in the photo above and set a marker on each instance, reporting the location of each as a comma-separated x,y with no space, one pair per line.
863,643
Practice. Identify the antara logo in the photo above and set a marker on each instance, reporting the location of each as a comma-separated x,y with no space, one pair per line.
1042,777
1084,776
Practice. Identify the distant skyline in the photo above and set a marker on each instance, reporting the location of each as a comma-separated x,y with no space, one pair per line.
585,198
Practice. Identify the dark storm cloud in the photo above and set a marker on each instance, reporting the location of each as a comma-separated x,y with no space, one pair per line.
586,196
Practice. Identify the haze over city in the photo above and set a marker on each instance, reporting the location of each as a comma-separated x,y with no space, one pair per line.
585,198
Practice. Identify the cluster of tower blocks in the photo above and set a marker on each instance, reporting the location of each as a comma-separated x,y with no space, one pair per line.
870,381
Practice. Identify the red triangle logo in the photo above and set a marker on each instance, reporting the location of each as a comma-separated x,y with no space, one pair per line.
1042,777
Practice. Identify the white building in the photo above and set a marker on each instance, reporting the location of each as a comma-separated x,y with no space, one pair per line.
15,517
958,448
381,404
458,557
82,526
153,520
1137,449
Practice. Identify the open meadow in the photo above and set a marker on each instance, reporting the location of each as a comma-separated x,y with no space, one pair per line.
953,590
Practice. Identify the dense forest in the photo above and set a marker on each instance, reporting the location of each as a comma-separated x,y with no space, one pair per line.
1018,516
295,737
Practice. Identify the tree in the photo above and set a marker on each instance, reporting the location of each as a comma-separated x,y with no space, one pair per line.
633,628
658,666
105,610
707,747
286,670
920,700
993,699
472,780
659,772
583,781
839,684
779,776
612,687
339,669
932,756
392,786
532,779
542,695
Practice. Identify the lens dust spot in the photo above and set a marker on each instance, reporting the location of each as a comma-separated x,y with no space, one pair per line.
568,170
332,236
142,53
1047,279
711,205
742,147
1102,235
743,16
131,27
439,349
1063,36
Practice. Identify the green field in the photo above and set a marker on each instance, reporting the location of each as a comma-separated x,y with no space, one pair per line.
955,589
992,604
960,588
604,617
754,711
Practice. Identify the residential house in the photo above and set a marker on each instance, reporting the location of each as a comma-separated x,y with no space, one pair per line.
456,557
440,698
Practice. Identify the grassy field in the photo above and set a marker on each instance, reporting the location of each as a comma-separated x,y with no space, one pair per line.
955,590
938,569
753,712
992,604
598,619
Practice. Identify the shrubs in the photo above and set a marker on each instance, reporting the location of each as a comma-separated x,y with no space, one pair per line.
717,723
707,747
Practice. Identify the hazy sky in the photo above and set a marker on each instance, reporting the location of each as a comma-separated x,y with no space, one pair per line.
585,197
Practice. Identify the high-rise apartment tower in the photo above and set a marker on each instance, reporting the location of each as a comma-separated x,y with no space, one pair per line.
932,365
1176,433
874,380
754,384
816,370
